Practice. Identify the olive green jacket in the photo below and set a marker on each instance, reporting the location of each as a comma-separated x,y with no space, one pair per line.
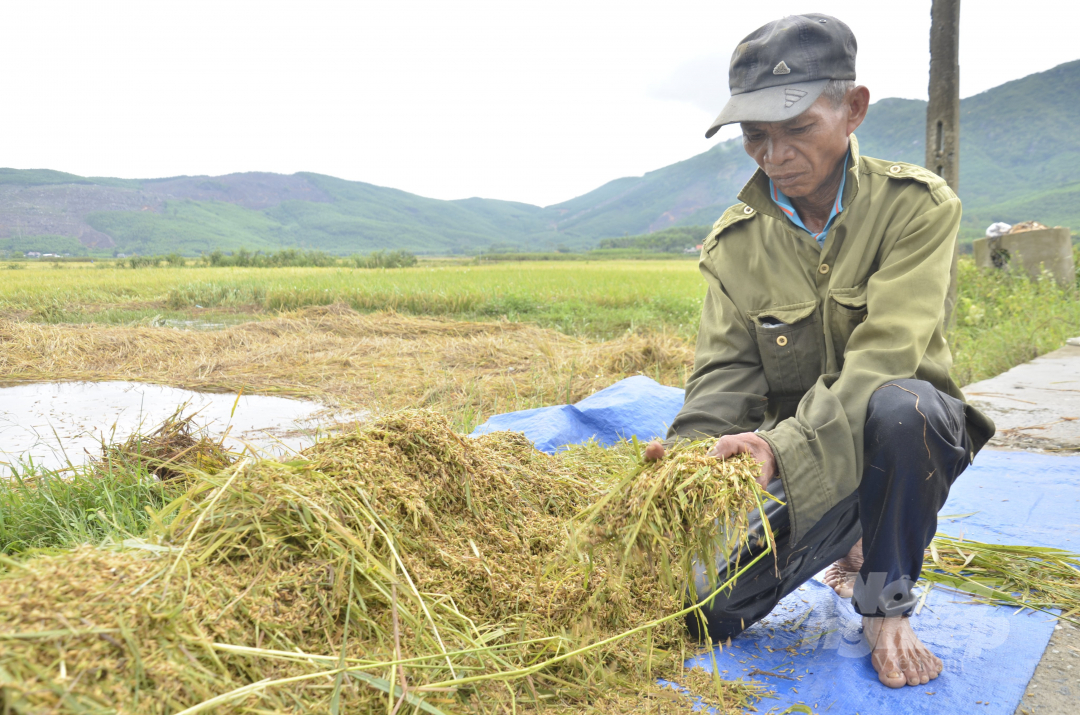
795,338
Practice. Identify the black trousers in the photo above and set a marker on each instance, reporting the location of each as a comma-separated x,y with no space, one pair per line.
916,444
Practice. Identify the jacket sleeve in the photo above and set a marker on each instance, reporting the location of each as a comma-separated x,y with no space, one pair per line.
726,393
820,450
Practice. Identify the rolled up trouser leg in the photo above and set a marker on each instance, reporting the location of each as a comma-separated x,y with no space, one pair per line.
757,591
915,446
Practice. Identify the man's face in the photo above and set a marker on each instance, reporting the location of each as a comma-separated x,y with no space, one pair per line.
801,154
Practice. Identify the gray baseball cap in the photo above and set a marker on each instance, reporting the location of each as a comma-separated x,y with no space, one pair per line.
781,68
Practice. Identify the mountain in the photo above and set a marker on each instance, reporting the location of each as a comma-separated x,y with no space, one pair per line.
1019,159
52,211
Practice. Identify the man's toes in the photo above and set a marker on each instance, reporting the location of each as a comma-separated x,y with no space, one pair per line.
936,666
889,672
892,677
909,663
930,666
923,669
913,676
839,581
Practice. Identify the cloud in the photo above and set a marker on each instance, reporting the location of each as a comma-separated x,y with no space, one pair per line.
701,82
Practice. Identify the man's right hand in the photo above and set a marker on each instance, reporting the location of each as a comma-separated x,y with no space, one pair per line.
748,443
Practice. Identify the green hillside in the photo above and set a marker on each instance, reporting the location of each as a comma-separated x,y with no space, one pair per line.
193,215
1019,158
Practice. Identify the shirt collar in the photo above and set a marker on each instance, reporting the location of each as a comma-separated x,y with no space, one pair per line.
756,194
785,205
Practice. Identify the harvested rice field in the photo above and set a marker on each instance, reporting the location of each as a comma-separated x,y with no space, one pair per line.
467,341
1002,319
377,362
396,566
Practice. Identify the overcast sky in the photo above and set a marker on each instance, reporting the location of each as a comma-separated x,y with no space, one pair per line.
534,102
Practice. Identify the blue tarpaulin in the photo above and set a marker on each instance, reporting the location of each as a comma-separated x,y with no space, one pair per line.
634,407
809,649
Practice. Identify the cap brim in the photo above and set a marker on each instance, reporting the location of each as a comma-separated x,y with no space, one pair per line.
772,104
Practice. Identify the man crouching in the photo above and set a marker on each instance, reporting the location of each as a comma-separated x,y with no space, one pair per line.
821,350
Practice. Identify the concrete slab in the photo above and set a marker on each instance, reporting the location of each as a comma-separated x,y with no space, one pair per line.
1036,407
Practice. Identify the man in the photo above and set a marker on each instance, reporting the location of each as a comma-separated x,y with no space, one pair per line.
821,350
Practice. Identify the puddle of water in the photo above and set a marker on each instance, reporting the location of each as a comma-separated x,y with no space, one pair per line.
192,324
54,424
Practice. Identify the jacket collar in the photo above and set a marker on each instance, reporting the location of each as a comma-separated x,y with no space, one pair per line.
756,192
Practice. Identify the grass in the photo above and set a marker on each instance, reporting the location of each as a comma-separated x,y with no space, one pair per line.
110,497
46,509
598,299
1004,319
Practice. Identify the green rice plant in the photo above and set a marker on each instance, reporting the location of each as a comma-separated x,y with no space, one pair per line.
588,298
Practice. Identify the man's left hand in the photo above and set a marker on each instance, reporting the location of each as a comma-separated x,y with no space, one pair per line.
748,443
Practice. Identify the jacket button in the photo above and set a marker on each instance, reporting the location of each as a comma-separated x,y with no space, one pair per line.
894,169
781,340
747,210
823,268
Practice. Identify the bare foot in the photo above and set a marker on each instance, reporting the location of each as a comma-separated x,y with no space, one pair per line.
841,575
898,656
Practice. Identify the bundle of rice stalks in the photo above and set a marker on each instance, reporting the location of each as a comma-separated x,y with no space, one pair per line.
686,509
172,449
1034,577
397,568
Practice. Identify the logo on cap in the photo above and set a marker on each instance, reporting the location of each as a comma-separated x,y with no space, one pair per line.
792,96
781,68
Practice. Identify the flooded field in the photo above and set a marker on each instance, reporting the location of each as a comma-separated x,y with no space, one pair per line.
53,424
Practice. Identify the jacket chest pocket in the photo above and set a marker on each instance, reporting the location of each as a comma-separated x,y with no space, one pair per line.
846,311
789,340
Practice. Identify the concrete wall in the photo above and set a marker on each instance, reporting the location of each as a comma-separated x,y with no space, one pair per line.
1049,248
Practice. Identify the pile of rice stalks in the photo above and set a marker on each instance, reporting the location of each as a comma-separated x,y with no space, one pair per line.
689,506
399,568
173,449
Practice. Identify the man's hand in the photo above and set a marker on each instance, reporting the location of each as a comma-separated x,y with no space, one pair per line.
654,451
748,443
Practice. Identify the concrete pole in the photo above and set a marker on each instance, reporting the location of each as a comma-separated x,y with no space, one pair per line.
943,111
